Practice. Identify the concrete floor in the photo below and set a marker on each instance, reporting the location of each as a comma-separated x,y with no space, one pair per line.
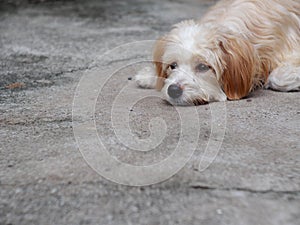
46,48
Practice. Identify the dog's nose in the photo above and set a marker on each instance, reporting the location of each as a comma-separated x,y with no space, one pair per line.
174,91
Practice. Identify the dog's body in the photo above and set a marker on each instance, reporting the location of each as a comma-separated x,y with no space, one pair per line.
237,46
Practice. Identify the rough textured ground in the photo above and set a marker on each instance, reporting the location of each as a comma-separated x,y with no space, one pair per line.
46,47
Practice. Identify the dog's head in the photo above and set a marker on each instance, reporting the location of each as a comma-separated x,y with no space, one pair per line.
197,64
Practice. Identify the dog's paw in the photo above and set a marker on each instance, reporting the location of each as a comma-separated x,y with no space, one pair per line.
146,78
285,78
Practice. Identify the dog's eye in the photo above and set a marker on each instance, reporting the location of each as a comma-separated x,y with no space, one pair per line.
202,68
173,66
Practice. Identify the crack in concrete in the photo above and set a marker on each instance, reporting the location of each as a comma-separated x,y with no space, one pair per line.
202,187
34,121
249,190
74,70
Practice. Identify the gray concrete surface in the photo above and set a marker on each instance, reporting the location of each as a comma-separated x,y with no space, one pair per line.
46,47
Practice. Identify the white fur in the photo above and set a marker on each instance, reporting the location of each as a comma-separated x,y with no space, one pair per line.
146,78
285,78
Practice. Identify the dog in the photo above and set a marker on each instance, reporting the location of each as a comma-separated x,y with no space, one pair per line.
237,46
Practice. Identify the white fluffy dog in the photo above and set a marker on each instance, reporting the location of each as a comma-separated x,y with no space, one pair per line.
237,46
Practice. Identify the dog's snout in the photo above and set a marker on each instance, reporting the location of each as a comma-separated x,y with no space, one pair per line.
175,91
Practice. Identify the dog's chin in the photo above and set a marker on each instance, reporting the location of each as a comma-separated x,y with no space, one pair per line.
181,101
177,102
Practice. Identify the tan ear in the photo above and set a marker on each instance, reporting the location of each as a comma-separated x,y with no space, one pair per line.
237,56
158,52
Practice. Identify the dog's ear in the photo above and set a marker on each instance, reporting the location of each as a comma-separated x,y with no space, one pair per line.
238,59
158,52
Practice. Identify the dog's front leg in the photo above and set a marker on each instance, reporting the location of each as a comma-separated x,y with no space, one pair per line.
146,78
